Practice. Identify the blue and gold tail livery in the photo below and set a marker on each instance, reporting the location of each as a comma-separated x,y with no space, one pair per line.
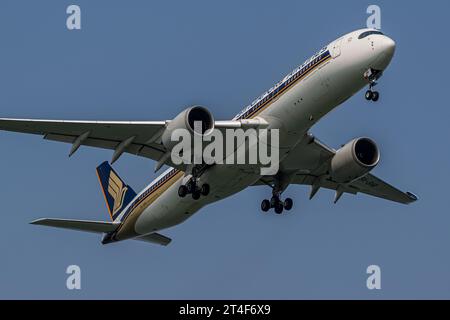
117,193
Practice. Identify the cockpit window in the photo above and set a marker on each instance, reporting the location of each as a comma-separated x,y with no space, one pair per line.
368,33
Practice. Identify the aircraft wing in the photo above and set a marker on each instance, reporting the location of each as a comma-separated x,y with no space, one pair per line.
141,138
368,184
100,134
309,162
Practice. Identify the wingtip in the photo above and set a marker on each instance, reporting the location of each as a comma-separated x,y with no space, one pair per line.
412,196
37,221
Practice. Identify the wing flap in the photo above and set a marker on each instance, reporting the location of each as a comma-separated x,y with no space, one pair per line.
79,225
371,185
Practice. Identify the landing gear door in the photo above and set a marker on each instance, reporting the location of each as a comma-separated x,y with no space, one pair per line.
336,48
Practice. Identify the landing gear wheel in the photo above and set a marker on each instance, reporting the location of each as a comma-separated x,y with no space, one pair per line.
369,95
196,195
265,205
375,96
204,189
288,203
182,191
279,208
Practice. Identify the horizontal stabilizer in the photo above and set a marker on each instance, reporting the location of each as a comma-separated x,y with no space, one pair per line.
80,225
155,238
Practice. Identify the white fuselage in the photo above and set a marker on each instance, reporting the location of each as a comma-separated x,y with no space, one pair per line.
326,84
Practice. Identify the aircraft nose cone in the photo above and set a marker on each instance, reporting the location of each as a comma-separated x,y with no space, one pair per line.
385,48
388,46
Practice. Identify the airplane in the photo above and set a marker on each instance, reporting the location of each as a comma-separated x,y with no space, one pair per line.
293,105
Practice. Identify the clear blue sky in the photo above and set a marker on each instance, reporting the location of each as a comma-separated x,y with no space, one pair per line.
145,60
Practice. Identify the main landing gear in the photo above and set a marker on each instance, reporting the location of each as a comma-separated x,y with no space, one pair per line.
192,187
277,204
280,183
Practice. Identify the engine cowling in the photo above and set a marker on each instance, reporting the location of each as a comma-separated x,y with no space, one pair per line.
186,120
354,160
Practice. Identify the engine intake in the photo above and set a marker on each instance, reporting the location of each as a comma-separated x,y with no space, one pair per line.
200,114
186,120
354,160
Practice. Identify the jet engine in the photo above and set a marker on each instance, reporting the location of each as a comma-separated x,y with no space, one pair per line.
186,120
354,160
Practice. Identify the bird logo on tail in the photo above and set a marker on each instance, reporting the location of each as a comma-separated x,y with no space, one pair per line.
117,190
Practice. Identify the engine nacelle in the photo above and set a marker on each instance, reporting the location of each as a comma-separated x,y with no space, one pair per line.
354,160
185,120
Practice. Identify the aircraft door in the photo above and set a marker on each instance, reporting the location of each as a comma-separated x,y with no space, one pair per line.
336,48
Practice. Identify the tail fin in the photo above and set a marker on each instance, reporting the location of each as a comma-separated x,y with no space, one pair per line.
117,193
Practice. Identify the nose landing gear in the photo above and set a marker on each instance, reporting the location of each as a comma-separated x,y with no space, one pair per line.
372,76
372,95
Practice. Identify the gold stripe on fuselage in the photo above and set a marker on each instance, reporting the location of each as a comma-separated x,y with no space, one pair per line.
271,100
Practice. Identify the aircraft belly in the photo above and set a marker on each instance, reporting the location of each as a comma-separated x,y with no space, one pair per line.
166,211
169,209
